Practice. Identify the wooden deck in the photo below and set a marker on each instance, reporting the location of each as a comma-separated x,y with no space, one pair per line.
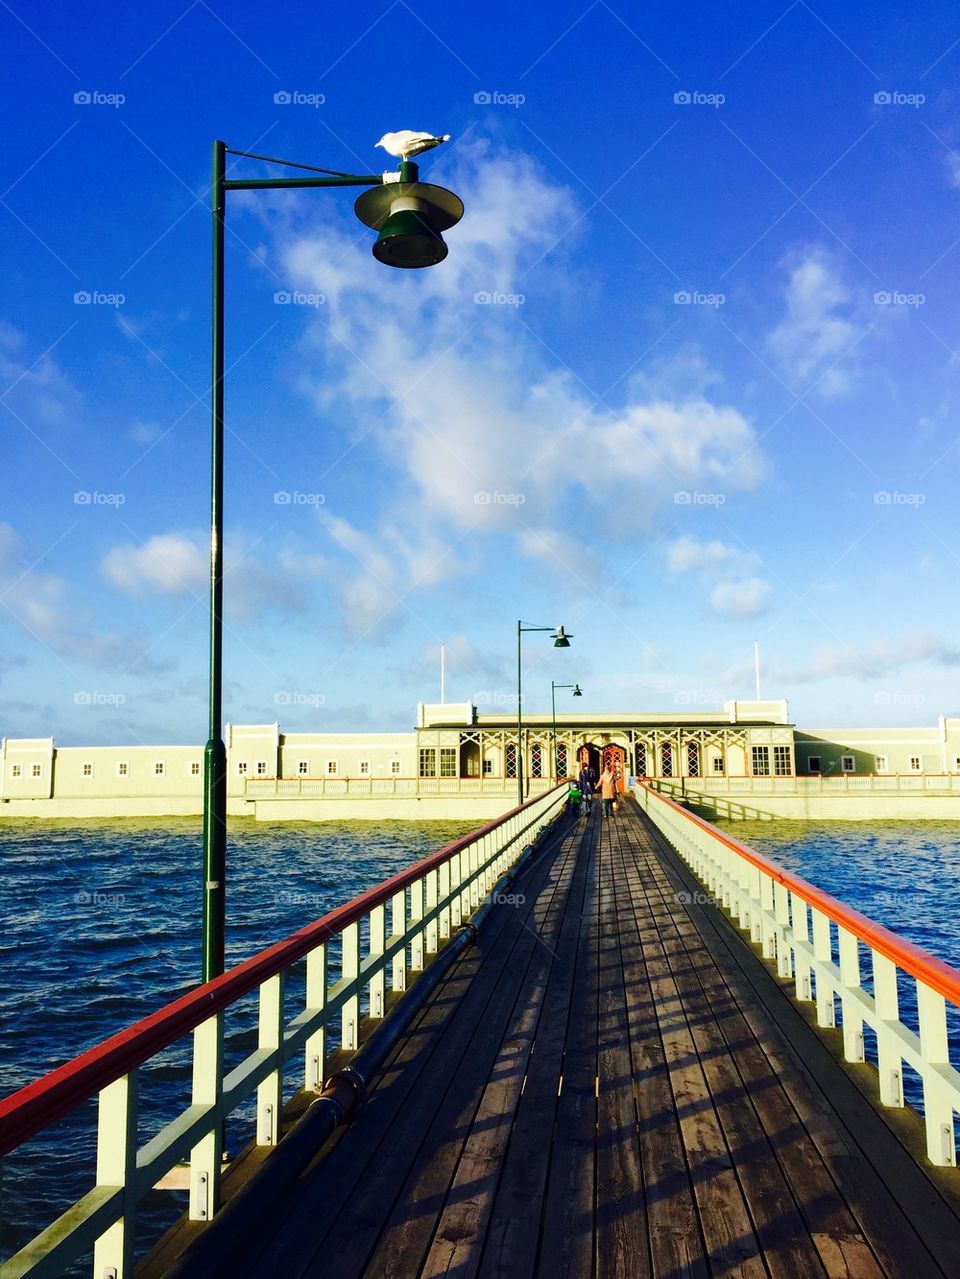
611,1083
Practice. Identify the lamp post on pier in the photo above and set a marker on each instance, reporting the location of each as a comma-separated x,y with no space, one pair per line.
409,216
560,640
577,692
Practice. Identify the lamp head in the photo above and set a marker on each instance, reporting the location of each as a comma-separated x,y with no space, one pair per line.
409,218
561,639
576,691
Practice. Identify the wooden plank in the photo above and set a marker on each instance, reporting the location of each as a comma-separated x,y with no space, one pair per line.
622,1245
514,1231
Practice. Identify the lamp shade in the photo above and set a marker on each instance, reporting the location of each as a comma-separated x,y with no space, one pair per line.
409,218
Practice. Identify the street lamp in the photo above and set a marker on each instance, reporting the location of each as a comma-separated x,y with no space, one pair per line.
409,216
560,640
577,692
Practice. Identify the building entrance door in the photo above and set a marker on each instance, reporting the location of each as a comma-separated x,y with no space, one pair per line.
612,757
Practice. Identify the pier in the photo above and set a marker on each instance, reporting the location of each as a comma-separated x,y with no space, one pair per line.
605,1077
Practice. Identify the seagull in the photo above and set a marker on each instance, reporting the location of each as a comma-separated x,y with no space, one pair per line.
406,143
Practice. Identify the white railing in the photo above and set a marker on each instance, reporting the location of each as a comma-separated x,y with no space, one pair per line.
426,904
816,940
841,784
379,787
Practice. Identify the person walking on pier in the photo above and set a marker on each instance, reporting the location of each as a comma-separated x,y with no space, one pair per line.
608,789
586,779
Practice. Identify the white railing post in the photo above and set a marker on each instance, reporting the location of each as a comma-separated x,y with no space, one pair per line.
934,1050
823,957
455,894
768,927
378,980
853,1046
417,938
350,971
887,1006
205,1157
801,936
430,892
398,928
270,1037
781,909
315,1049
113,1252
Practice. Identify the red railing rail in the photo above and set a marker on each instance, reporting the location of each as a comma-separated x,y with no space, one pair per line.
919,963
34,1107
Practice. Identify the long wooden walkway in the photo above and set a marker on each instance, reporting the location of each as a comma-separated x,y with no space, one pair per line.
610,1083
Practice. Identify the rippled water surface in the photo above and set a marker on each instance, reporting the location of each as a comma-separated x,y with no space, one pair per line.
101,926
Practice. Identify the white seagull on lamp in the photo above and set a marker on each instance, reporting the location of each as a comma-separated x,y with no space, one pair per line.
406,142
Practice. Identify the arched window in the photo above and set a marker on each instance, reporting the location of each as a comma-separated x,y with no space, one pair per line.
536,760
511,759
666,759
562,759
641,759
693,759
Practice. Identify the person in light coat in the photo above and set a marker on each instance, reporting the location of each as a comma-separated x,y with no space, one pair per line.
608,790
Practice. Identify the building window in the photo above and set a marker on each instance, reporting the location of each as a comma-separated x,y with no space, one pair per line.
882,763
159,768
194,768
666,759
332,768
781,761
303,768
847,763
760,761
16,770
814,763
511,759
915,763
718,763
428,761
448,761
395,767
956,764
242,767
364,768
88,770
693,759
562,759
488,768
641,759
123,769
536,760
36,770
261,768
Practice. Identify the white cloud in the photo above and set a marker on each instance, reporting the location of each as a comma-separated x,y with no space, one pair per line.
879,658
461,398
822,323
167,564
735,591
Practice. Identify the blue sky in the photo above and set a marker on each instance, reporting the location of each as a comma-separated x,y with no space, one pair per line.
713,397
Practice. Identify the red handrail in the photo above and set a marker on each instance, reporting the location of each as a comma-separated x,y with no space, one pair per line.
935,973
28,1110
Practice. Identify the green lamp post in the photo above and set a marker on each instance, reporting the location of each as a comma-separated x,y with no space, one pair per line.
560,640
409,217
577,692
